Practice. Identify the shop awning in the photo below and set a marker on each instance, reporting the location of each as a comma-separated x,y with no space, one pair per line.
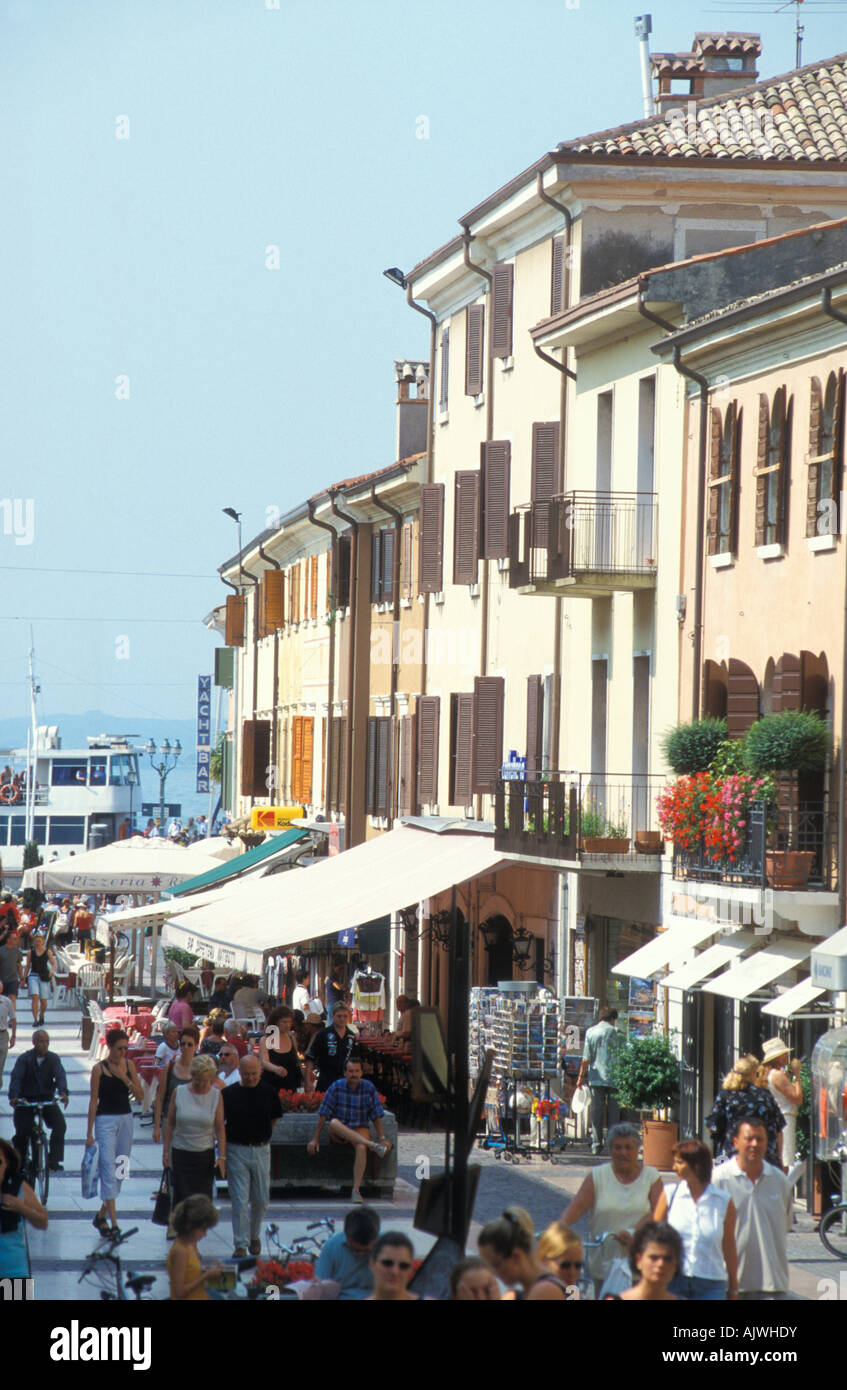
127,866
267,915
760,969
677,943
723,951
793,1000
257,858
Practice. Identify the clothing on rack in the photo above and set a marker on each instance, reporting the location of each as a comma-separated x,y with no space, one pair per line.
367,993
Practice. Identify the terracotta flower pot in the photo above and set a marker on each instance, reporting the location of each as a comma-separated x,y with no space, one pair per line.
605,845
659,1139
648,842
788,868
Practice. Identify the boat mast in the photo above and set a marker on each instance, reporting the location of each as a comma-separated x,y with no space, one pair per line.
31,746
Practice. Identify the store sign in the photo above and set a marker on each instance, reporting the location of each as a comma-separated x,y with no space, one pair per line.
274,817
204,732
829,962
347,937
515,769
173,809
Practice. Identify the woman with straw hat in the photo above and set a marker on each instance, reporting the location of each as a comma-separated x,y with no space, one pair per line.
783,1081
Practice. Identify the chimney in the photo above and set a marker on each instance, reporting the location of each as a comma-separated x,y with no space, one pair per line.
717,63
412,404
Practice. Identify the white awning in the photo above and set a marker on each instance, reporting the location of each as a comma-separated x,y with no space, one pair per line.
397,869
127,866
675,944
794,999
723,951
746,976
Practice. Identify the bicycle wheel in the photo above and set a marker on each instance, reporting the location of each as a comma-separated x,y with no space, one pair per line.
42,1171
833,1231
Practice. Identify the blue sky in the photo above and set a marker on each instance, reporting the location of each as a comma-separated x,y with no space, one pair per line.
155,370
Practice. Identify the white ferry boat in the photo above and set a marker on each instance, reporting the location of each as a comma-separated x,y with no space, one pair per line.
80,799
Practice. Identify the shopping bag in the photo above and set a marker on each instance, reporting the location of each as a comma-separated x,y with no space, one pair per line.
164,1198
618,1277
90,1170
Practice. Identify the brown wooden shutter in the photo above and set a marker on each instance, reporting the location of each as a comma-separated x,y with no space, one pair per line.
787,687
329,580
376,566
838,438
296,756
273,585
502,296
338,762
474,348
715,472
545,475
762,462
534,724
445,368
255,756
387,559
495,467
323,762
370,768
461,749
341,579
406,562
557,275
735,476
431,544
307,761
234,634
466,527
428,715
489,699
384,741
742,699
406,800
814,470
313,586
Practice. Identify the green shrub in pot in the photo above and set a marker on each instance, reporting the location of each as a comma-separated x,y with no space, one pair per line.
645,1073
692,747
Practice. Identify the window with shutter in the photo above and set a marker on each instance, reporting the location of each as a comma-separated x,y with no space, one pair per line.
341,579
378,766
466,527
255,756
370,768
387,566
461,749
742,699
297,757
445,369
557,275
338,763
323,762
489,699
431,546
428,717
545,476
273,593
406,562
474,348
502,296
787,684
307,761
234,633
723,481
313,586
376,566
495,468
406,801
823,486
773,470
534,724
329,580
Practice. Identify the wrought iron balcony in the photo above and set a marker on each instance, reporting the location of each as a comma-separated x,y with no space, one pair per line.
807,829
579,816
587,544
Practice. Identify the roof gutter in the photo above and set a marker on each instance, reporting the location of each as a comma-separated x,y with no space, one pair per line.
826,306
702,446
665,325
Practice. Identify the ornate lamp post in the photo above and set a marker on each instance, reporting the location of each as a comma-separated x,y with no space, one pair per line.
163,768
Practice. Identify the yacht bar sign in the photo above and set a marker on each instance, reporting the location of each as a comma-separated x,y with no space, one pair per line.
204,731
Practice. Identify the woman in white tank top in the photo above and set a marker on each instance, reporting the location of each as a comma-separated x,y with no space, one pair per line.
618,1195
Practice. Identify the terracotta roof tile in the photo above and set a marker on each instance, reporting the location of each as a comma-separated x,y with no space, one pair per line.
800,117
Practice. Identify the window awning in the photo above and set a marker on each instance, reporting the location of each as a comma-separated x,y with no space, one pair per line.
675,944
267,915
242,863
723,951
746,976
793,1000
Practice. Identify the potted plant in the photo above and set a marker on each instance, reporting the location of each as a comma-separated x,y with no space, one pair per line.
645,1074
602,836
693,747
792,743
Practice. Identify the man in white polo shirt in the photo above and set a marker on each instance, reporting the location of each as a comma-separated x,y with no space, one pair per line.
764,1201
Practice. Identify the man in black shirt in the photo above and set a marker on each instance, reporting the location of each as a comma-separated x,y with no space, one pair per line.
330,1051
39,1077
250,1111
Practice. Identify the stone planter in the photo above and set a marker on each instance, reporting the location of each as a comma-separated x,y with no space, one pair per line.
331,1169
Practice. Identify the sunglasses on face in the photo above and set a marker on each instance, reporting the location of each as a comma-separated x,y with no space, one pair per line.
570,1264
395,1264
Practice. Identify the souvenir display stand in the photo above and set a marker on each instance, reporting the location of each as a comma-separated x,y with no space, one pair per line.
520,1021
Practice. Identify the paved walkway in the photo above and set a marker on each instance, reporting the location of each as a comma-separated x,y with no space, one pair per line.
58,1254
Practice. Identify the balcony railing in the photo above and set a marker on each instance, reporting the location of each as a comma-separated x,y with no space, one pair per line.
805,826
586,543
568,815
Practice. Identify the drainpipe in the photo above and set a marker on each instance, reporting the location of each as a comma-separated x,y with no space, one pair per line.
428,469
489,430
702,460
351,648
826,306
395,627
274,708
648,313
330,675
254,581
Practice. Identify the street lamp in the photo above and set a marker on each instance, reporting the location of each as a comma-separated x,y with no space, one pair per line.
163,768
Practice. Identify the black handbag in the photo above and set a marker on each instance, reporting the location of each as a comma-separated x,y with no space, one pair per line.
164,1200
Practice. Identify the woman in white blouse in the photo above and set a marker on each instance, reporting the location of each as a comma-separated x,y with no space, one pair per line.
704,1216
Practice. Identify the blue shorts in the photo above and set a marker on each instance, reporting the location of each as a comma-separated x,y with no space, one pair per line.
38,988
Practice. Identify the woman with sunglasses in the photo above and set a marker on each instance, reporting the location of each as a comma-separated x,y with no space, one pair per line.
176,1073
392,1264
507,1246
113,1081
560,1249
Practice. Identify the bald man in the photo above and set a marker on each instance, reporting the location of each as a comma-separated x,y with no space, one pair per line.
251,1109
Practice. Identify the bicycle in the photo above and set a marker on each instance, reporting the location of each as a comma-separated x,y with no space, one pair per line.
302,1247
104,1265
833,1227
37,1167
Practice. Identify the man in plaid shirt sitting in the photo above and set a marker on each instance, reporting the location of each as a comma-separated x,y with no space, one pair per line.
349,1105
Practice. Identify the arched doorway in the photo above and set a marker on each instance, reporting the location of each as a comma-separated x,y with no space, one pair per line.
499,954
